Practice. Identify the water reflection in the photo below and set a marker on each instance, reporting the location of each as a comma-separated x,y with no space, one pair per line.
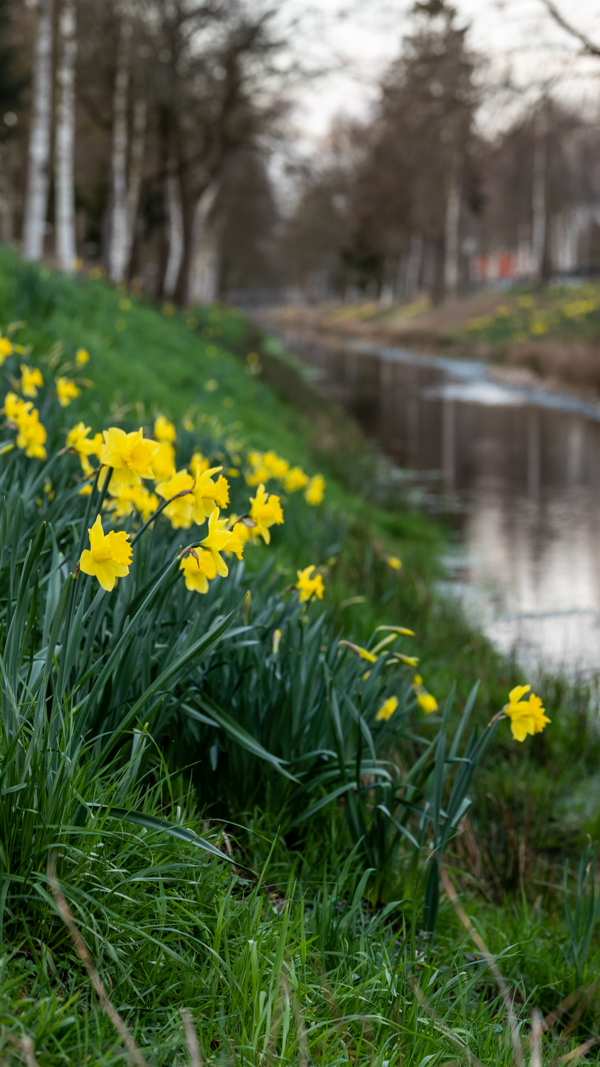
527,472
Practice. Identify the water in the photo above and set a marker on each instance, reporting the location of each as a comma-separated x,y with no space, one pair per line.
519,470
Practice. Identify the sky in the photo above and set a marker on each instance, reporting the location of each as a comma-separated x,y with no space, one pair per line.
515,33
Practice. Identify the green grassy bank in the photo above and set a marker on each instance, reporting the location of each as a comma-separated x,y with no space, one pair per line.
304,963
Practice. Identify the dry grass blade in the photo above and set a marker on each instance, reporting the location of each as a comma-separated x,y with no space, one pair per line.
536,1038
83,952
577,1053
491,962
191,1039
441,1026
303,1059
26,1046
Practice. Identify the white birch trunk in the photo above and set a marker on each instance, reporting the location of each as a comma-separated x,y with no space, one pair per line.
204,258
538,230
117,252
36,202
452,238
174,231
66,249
138,147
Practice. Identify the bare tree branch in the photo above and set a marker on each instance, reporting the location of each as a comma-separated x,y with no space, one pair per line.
588,45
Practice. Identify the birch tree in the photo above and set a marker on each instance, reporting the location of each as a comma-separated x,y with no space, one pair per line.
65,138
119,231
38,176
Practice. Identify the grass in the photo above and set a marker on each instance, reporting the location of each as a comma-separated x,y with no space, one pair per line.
292,963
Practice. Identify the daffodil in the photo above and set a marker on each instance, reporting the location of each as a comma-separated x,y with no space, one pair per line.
66,391
179,510
31,380
32,435
425,700
136,498
82,356
78,440
295,479
220,539
315,490
164,430
309,586
387,709
130,455
526,716
198,570
393,562
15,407
5,349
265,512
275,464
163,464
198,460
209,494
363,653
108,556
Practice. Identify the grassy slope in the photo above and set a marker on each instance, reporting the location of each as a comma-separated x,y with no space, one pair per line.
337,968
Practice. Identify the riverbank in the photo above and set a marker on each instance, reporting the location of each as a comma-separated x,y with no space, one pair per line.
314,960
548,340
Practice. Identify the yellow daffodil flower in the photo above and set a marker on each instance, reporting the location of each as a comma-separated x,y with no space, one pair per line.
265,512
309,586
275,464
130,455
32,436
425,700
164,430
198,460
82,356
15,408
180,510
163,463
315,491
108,556
393,562
198,571
77,439
5,349
411,661
136,498
387,709
209,494
295,479
66,391
220,539
31,380
526,716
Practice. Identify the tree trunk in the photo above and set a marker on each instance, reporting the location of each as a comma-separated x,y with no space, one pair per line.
117,253
6,199
36,203
538,229
65,139
452,238
138,147
202,281
175,231
413,265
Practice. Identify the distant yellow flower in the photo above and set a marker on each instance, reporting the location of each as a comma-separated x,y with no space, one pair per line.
5,349
164,430
77,439
387,709
66,391
163,464
198,571
82,356
31,380
315,491
538,328
265,512
276,641
15,408
295,479
275,464
220,539
108,556
199,460
526,716
32,435
136,498
180,510
130,455
393,562
425,700
209,494
309,586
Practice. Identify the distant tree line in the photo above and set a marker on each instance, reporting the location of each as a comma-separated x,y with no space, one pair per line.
139,133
